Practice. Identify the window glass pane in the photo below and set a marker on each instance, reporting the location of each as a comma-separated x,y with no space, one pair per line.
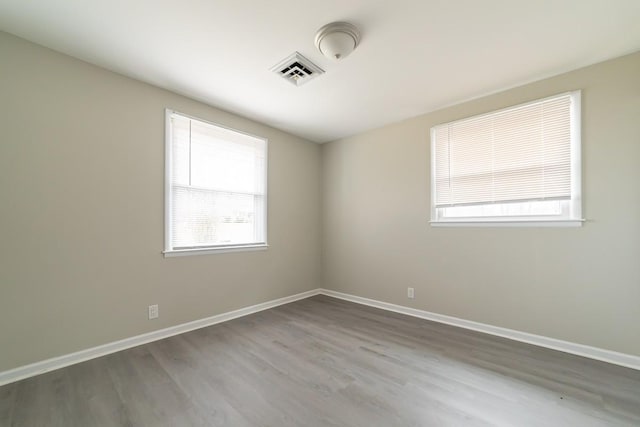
518,162
217,186
207,217
180,134
532,208
226,166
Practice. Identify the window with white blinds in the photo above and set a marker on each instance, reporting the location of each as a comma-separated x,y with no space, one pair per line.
215,187
517,164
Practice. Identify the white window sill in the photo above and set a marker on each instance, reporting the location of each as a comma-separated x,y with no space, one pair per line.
216,250
509,223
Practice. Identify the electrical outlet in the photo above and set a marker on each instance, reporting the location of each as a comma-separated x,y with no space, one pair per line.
153,311
410,293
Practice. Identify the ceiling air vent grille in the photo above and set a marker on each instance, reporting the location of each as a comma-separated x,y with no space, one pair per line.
297,69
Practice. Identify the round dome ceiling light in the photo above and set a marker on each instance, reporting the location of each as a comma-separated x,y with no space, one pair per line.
337,40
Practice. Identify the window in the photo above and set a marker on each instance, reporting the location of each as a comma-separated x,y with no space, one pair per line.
215,188
520,165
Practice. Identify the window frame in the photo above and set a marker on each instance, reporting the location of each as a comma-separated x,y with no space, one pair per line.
574,217
217,249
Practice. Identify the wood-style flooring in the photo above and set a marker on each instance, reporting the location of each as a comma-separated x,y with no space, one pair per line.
327,362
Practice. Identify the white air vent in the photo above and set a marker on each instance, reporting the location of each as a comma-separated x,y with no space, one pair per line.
297,69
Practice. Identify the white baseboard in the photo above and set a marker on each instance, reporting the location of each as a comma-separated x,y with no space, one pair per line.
37,368
622,359
41,367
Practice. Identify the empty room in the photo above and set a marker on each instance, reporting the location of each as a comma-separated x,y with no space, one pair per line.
338,213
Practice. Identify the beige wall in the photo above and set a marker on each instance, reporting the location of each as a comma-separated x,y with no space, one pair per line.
575,284
81,190
81,211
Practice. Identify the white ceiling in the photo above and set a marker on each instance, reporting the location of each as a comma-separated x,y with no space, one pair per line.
415,55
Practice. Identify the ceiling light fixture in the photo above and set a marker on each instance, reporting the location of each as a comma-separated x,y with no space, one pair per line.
337,40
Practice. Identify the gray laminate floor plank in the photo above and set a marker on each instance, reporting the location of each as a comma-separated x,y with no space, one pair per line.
149,395
7,402
327,362
197,380
93,395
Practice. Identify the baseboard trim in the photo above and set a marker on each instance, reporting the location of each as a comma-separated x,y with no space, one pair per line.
603,355
47,365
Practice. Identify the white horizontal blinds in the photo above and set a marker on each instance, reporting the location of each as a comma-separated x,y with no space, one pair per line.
518,154
217,186
440,137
